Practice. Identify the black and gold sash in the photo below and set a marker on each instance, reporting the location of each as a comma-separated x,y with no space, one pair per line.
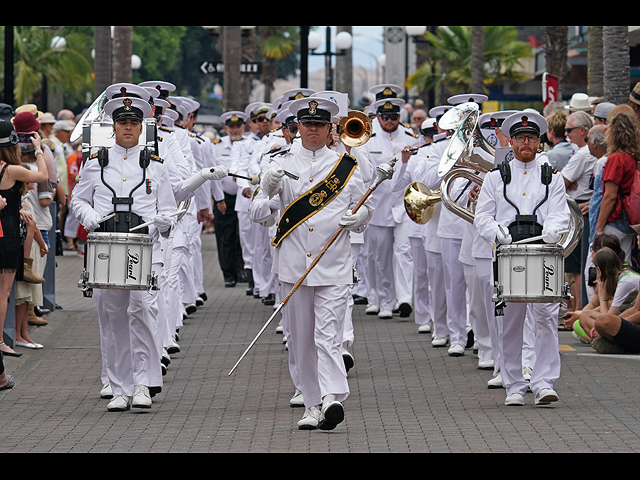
316,199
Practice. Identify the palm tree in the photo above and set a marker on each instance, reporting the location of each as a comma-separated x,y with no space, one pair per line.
275,44
477,58
450,59
556,51
36,60
616,63
596,62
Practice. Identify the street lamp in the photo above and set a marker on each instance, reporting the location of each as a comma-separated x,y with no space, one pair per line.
344,41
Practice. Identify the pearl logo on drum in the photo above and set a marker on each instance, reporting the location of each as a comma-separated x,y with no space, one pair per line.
134,259
549,272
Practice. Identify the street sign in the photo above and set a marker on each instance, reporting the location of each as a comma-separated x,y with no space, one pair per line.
218,68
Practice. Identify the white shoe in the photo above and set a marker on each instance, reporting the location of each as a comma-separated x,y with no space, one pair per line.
141,397
386,313
372,309
546,397
456,350
438,342
332,415
106,392
515,399
120,403
485,364
297,400
426,328
310,420
495,382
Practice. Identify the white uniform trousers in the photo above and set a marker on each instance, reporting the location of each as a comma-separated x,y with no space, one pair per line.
403,263
198,273
315,322
484,270
546,369
128,324
348,335
421,289
246,228
455,290
478,313
263,278
438,295
528,342
359,253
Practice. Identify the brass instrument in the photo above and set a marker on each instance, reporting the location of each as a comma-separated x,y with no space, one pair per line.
420,202
355,129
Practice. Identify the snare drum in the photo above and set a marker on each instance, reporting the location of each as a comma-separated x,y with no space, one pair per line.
530,274
118,261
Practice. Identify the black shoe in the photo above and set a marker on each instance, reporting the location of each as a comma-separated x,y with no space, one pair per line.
39,311
203,296
230,284
358,300
405,310
270,300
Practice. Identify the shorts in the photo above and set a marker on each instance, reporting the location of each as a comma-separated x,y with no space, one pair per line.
629,336
573,263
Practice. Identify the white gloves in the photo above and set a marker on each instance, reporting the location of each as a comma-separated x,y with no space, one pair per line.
163,223
503,238
271,179
351,221
216,173
550,236
92,221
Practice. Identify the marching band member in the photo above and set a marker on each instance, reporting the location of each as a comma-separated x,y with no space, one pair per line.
313,207
127,324
525,186
389,269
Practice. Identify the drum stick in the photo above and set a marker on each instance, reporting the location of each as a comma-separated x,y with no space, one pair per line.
535,239
253,179
174,214
102,220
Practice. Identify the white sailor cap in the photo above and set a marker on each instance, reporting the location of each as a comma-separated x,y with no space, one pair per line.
522,122
437,112
127,107
494,120
388,105
467,98
428,126
249,110
285,117
120,90
233,117
296,94
164,88
386,91
314,109
339,98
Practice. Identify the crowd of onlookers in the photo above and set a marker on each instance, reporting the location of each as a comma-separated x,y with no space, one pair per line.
27,138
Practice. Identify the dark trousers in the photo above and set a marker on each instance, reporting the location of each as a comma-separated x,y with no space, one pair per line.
228,240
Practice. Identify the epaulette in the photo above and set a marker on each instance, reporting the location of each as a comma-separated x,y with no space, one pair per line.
92,156
157,158
216,141
165,129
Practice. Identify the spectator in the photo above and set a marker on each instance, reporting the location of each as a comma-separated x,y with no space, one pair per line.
417,118
614,331
634,101
577,177
13,181
623,139
561,150
598,148
601,112
6,381
61,135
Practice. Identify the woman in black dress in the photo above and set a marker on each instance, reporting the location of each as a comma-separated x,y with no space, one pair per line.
13,181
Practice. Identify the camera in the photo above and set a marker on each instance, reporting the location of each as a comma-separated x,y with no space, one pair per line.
593,275
24,137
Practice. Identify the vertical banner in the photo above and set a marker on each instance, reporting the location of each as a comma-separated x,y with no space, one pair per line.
549,89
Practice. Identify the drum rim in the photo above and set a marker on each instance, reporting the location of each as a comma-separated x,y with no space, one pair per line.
119,237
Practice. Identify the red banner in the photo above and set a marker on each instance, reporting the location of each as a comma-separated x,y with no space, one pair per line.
549,89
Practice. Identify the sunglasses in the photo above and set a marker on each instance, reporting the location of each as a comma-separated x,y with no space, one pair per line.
389,116
262,119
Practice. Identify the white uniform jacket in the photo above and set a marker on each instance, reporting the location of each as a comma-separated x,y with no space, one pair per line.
525,190
303,244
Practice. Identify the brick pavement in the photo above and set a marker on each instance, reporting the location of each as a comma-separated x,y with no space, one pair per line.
406,396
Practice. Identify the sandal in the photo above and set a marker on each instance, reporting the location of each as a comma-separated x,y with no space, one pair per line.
9,354
10,384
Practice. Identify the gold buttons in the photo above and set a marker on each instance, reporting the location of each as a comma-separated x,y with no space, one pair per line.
124,179
311,229
524,194
311,179
309,254
313,159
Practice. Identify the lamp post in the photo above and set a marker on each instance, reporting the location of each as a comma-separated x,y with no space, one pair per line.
344,41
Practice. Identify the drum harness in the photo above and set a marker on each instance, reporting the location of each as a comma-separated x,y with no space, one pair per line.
525,226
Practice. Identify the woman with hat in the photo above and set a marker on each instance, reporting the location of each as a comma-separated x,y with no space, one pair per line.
13,180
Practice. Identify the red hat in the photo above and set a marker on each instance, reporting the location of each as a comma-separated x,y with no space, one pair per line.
25,122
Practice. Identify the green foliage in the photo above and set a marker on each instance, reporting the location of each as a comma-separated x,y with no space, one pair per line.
449,55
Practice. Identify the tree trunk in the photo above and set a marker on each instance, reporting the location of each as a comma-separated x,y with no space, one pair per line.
232,57
596,63
556,51
122,51
477,59
616,64
344,67
102,60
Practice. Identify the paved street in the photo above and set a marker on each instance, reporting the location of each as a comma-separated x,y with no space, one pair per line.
406,396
